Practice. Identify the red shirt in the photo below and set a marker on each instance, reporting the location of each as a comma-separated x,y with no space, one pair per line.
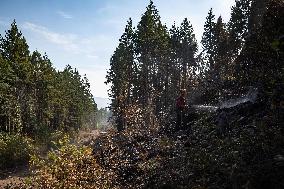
180,103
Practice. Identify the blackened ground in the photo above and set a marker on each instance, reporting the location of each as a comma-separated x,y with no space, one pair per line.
244,151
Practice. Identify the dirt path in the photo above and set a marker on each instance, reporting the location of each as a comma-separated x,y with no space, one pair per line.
85,137
13,177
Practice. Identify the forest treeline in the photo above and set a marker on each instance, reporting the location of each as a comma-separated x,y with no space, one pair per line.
34,96
153,62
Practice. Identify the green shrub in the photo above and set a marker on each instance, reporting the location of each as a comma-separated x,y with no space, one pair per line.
69,166
46,137
42,134
15,150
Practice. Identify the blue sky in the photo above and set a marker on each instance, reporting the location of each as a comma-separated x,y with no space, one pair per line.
84,33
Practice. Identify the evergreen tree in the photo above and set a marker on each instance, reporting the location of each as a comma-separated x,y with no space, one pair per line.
238,25
259,64
43,77
151,48
72,101
183,58
10,119
33,95
215,45
257,11
222,69
221,49
175,80
187,52
123,74
14,50
208,38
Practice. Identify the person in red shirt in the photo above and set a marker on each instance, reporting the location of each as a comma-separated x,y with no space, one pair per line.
180,108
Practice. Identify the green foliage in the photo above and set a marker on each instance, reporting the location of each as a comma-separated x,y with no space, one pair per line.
149,66
69,166
152,51
259,63
238,25
45,136
122,73
73,103
15,150
208,37
183,60
34,97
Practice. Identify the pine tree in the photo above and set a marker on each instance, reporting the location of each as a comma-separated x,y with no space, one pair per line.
187,52
123,75
14,50
43,78
10,119
33,96
129,65
183,58
259,64
222,69
257,12
151,46
175,80
72,102
208,38
215,45
175,58
238,25
220,48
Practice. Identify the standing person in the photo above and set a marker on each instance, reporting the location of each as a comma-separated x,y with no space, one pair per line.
180,108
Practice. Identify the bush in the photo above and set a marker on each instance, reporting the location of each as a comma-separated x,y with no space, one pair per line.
69,166
46,135
42,134
15,150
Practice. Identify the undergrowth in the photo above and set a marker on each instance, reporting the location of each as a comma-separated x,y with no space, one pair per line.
247,156
15,150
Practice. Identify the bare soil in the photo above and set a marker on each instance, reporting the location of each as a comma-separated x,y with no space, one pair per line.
13,176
